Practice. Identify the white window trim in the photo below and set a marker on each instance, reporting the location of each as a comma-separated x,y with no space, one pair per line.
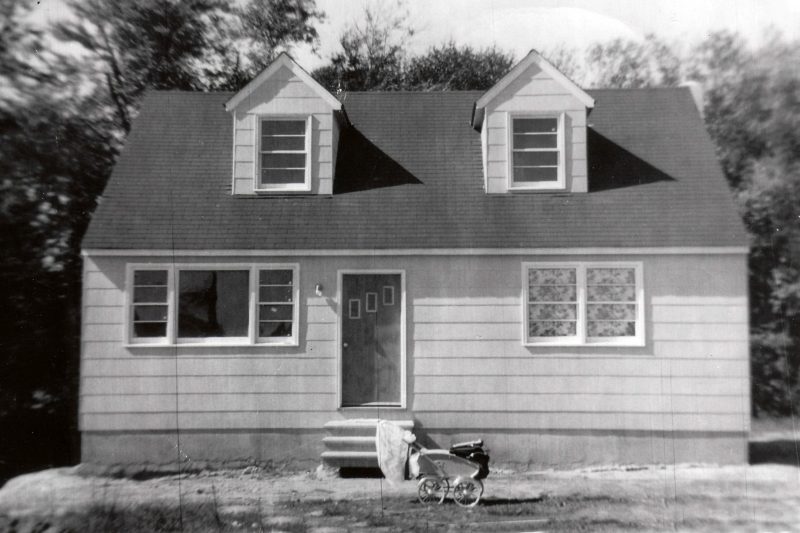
581,338
173,280
281,187
561,183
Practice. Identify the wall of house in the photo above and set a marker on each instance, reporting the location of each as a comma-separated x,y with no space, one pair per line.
684,396
534,91
284,93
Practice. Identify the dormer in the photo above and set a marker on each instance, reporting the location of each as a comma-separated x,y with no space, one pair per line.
533,130
285,133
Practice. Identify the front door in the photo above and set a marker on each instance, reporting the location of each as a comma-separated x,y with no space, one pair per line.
371,339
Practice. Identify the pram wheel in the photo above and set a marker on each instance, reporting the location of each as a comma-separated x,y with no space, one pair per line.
432,490
467,492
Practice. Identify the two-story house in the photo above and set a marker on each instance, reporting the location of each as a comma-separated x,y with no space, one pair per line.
560,272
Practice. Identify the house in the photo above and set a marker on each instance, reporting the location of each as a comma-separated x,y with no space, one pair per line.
557,271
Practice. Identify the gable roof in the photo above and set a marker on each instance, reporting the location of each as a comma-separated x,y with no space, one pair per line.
654,182
535,58
283,60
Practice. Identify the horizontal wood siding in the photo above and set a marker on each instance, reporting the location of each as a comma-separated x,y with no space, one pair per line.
284,94
467,366
534,91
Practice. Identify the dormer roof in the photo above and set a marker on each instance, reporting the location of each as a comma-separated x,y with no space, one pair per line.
533,58
283,60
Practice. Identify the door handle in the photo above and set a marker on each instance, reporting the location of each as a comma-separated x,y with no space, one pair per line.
345,345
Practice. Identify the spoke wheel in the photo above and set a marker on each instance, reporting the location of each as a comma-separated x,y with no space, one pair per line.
467,492
432,490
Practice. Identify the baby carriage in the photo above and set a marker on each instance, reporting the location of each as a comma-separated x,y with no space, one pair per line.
460,469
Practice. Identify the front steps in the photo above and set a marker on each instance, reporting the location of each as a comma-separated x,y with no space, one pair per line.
351,443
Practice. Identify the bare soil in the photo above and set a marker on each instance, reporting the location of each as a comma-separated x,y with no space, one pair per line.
761,497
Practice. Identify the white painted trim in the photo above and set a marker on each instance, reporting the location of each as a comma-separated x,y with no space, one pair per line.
378,252
561,176
534,57
581,338
172,340
403,335
281,187
233,157
283,60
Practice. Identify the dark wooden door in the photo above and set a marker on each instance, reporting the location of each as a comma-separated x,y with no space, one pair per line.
371,339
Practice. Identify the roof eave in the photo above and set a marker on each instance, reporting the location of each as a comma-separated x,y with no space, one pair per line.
283,60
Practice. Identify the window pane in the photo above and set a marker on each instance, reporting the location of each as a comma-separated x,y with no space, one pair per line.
611,329
150,329
149,294
552,329
150,277
611,293
275,312
213,303
522,159
532,175
535,125
552,276
275,277
610,276
269,144
283,127
150,313
552,312
274,329
283,161
611,311
275,294
535,141
281,176
552,293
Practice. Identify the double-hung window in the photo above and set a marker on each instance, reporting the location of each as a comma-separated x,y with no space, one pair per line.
284,154
583,303
213,304
536,158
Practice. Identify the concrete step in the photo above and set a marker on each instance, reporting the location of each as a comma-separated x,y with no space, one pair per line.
349,443
362,425
339,458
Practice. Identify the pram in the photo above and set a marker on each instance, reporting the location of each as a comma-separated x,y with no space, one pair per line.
461,469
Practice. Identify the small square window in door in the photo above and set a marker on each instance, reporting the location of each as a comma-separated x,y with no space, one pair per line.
388,295
354,309
371,305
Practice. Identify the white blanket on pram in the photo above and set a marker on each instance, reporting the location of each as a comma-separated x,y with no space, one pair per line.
392,451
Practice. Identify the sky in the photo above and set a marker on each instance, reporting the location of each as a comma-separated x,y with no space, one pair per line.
519,25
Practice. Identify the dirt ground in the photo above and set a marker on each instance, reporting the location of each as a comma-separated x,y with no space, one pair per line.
683,498
761,497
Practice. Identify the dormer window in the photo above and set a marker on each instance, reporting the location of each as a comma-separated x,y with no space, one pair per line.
284,145
536,158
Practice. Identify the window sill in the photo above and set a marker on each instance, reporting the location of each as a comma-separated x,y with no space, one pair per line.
556,188
395,407
136,345
636,343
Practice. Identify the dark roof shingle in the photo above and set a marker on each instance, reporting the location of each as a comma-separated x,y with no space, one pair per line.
654,182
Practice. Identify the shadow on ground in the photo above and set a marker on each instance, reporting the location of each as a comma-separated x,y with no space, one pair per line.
778,451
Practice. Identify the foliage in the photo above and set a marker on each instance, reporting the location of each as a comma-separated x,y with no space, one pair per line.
633,65
453,68
272,25
372,55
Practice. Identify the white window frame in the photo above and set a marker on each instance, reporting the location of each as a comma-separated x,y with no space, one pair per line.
173,283
581,338
561,182
282,187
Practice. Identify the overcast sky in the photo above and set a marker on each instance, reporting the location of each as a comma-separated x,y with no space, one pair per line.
519,25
